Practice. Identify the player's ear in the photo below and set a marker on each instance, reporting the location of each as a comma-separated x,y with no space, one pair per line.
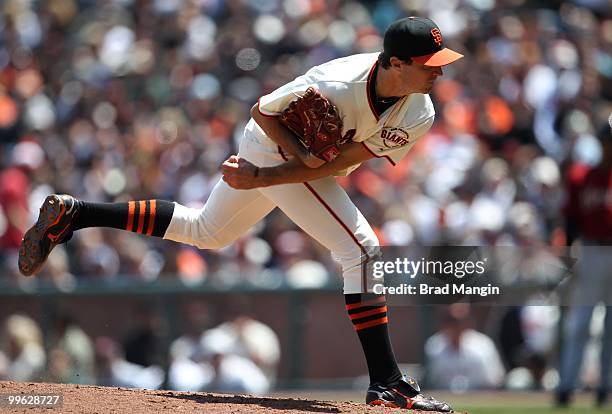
395,62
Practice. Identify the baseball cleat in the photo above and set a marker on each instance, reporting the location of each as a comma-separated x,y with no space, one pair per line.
53,226
404,393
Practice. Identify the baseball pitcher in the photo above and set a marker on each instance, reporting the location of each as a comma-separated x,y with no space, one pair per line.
323,124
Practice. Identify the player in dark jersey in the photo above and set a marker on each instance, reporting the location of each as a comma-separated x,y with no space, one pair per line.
589,218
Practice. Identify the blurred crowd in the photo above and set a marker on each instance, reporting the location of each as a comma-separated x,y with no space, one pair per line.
116,100
239,355
111,100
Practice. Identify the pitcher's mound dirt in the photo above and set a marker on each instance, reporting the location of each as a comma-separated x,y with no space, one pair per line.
104,400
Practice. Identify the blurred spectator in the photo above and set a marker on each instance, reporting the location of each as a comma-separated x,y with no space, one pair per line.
4,363
511,337
196,320
527,339
14,208
73,353
460,358
23,344
251,339
242,352
60,368
589,216
239,355
189,374
231,371
14,212
185,373
113,370
144,343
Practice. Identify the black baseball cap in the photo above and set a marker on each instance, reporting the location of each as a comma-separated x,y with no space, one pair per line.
419,39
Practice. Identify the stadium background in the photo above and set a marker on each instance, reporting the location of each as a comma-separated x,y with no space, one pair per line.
120,100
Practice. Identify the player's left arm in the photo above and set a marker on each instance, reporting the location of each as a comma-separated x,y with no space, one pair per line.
241,174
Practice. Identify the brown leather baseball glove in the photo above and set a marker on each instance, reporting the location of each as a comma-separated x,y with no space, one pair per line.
317,125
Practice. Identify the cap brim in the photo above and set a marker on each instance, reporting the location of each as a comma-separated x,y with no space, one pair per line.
440,58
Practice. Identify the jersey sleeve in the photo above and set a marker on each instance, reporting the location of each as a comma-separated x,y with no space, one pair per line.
394,143
275,102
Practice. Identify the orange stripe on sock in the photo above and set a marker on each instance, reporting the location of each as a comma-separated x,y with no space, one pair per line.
368,313
151,217
370,324
370,302
130,222
141,215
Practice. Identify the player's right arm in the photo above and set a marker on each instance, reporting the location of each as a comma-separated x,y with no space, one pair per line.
282,136
351,154
242,175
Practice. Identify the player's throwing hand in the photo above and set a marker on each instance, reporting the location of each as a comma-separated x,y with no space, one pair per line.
240,173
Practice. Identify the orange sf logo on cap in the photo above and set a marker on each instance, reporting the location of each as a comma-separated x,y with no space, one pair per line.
437,36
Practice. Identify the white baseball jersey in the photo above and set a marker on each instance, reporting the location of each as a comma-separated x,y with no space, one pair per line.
346,82
320,207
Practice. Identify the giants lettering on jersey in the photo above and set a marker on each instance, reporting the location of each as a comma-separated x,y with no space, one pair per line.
394,137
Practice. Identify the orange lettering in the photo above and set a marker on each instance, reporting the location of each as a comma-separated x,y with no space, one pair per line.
437,36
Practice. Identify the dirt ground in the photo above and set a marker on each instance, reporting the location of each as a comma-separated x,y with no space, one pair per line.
104,400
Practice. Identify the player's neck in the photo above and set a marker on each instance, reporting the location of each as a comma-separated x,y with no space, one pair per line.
389,85
384,84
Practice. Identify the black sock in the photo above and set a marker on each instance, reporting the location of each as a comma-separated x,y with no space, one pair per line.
368,312
150,217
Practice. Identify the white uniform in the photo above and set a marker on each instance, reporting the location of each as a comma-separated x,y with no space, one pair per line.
320,207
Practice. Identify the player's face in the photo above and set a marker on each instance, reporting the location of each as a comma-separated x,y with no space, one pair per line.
420,77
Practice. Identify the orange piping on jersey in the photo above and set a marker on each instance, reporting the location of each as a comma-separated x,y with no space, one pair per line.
364,285
379,156
368,83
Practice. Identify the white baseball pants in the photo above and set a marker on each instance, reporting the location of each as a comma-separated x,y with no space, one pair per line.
321,208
